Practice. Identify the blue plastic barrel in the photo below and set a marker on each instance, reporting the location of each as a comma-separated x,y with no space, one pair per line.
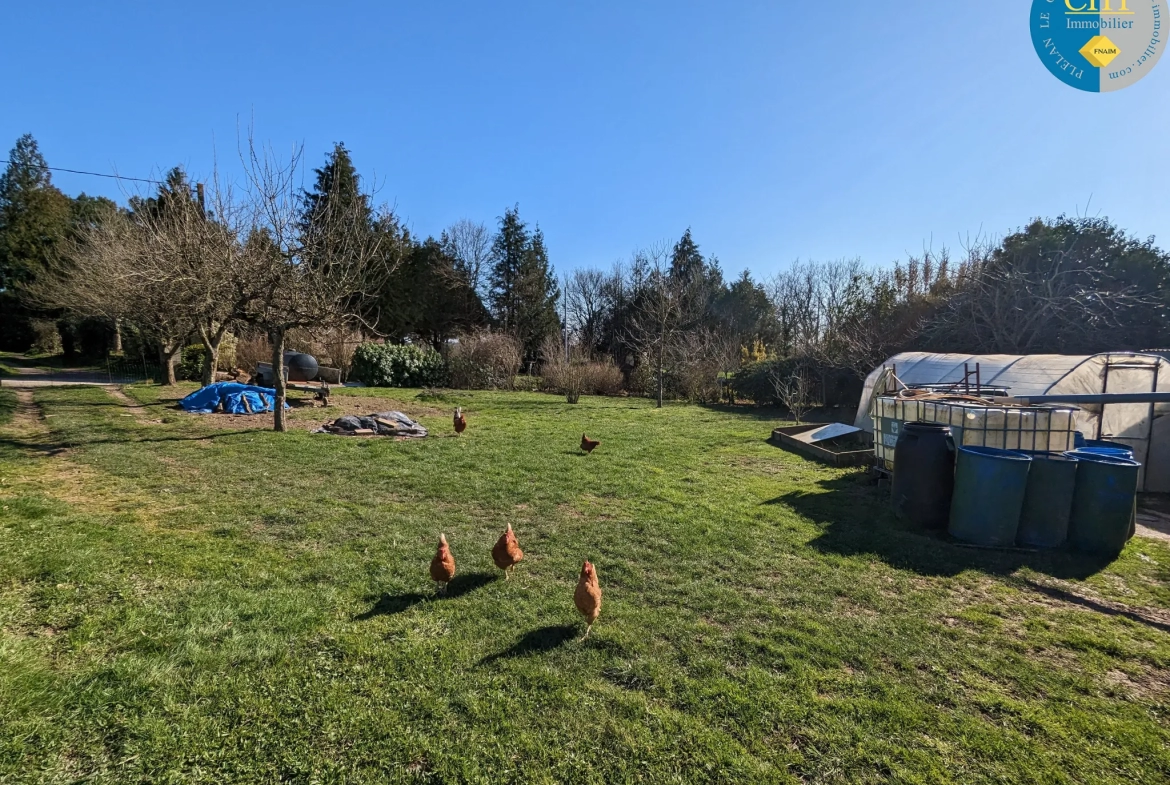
989,495
1104,443
1048,500
1104,503
1113,452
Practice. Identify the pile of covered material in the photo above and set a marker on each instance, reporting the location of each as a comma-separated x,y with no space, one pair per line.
379,424
230,398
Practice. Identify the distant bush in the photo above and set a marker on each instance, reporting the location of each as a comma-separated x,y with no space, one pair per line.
589,378
484,360
526,383
398,365
826,386
46,338
756,381
191,363
251,349
579,375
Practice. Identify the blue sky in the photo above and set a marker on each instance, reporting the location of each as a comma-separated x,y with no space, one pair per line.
776,130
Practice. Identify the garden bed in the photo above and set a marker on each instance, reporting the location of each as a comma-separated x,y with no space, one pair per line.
847,450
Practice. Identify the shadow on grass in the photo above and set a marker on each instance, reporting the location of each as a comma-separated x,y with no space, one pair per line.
390,604
465,584
1100,606
857,521
55,446
538,641
110,404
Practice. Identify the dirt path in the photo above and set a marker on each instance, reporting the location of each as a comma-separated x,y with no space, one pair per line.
133,408
27,420
28,425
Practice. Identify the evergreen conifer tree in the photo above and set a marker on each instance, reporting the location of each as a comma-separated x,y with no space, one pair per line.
524,292
34,215
336,192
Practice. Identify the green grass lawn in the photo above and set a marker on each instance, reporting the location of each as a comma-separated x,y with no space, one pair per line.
184,598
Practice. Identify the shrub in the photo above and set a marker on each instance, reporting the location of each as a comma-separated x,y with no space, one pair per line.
526,383
602,378
338,345
252,348
226,360
398,365
191,363
46,337
579,375
642,379
826,386
484,360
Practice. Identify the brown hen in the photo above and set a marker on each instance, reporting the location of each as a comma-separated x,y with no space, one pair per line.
506,552
587,597
460,420
443,565
588,444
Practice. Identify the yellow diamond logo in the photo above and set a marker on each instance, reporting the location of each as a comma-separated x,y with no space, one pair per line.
1100,51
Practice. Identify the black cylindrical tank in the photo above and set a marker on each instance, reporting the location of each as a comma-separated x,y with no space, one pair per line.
301,367
924,474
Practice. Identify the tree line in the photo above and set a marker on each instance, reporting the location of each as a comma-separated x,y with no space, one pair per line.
268,256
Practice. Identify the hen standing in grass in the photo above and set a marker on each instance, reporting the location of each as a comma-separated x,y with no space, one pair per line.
588,444
443,565
460,421
506,552
587,597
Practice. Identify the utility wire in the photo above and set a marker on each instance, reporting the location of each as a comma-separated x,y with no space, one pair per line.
95,174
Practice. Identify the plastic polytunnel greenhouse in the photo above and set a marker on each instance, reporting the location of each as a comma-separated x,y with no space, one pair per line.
1142,426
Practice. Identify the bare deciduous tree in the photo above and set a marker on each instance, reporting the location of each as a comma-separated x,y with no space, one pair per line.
129,268
586,304
306,279
793,391
702,356
658,311
1003,306
470,244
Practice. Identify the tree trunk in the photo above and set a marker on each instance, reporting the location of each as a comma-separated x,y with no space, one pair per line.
276,336
68,339
117,348
660,374
166,360
210,363
211,343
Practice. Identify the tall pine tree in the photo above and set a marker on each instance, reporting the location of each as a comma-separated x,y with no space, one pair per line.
34,215
336,193
700,281
524,292
536,317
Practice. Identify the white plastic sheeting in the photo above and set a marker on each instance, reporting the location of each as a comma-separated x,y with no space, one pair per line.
1144,427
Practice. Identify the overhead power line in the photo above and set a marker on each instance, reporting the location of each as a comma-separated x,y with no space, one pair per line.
94,174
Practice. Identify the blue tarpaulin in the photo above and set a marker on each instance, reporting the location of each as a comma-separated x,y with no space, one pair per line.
235,398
